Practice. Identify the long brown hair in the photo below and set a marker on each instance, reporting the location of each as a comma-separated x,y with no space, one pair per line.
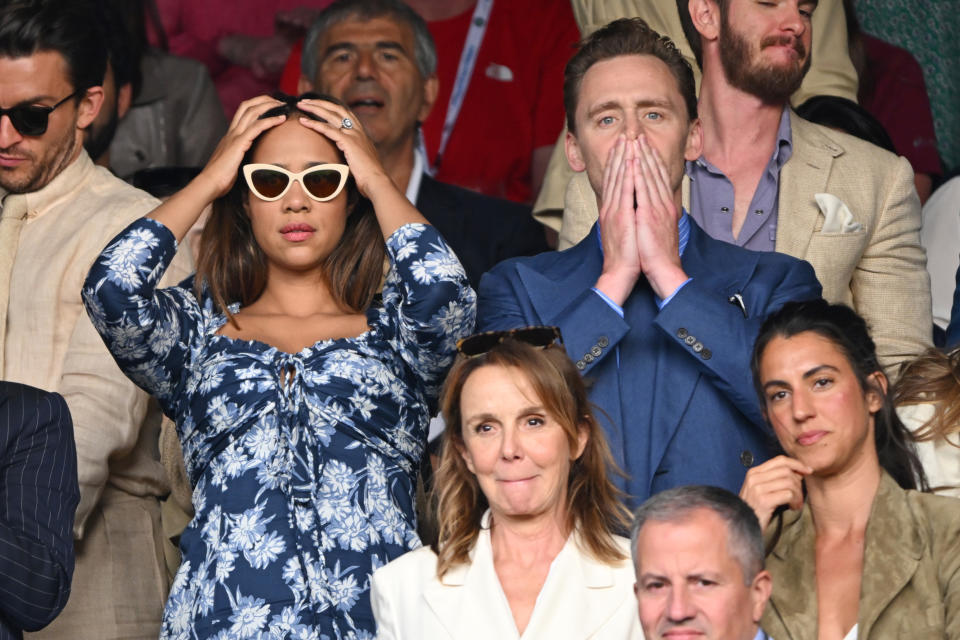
233,268
594,506
848,332
933,377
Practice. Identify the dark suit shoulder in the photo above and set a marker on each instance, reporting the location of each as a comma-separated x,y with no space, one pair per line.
481,230
435,193
556,264
16,394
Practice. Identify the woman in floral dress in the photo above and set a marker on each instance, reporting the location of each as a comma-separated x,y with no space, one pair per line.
300,377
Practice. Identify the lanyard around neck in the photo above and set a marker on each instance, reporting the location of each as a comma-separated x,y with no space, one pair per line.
468,60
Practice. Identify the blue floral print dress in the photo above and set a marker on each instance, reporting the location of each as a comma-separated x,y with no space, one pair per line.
303,464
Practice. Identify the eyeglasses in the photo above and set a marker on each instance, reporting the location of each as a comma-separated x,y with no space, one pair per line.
270,182
480,343
32,119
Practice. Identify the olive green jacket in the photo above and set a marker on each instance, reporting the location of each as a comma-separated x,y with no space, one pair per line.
911,570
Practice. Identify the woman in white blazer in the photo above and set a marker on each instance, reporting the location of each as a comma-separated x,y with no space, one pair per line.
526,510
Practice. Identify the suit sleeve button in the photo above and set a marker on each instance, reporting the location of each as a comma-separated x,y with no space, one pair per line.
746,458
596,351
690,340
706,354
698,347
681,333
581,365
603,343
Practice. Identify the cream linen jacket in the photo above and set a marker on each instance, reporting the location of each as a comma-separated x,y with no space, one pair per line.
119,584
831,72
879,270
911,571
581,599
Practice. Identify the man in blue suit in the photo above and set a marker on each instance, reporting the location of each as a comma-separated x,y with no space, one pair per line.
658,316
38,497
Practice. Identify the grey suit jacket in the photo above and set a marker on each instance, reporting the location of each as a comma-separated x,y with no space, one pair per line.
879,270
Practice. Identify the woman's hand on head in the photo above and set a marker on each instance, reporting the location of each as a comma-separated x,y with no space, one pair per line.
776,482
221,170
361,154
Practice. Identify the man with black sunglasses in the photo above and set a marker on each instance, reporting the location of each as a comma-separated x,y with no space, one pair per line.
57,211
657,315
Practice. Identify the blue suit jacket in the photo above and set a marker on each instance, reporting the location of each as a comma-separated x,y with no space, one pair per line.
38,497
679,408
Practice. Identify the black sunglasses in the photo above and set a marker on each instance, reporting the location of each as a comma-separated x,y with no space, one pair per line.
480,343
32,119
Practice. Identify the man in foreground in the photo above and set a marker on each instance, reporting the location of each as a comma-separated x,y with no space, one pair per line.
698,553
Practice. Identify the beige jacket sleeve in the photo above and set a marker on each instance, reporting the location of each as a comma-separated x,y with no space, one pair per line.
890,285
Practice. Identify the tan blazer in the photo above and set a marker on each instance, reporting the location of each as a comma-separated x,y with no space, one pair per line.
911,571
581,599
879,270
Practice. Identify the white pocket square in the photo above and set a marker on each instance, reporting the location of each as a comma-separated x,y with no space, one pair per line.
837,217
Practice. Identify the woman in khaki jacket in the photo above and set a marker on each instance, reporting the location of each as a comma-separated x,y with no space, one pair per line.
857,552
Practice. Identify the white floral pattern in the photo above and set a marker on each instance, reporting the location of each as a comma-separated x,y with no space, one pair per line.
301,489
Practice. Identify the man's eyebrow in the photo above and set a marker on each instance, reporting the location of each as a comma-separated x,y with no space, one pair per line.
604,106
339,46
662,103
391,45
34,100
649,575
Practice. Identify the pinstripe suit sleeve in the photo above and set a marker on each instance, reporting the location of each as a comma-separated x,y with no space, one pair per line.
38,497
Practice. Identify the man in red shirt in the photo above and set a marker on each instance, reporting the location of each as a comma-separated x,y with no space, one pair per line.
512,108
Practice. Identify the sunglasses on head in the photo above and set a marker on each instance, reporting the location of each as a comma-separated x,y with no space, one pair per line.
32,119
322,182
480,343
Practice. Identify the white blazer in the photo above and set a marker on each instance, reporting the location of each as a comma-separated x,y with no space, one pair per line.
581,598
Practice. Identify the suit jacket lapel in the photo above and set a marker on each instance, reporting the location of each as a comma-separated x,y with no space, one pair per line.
469,602
578,597
794,595
676,374
550,297
804,175
892,551
440,209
